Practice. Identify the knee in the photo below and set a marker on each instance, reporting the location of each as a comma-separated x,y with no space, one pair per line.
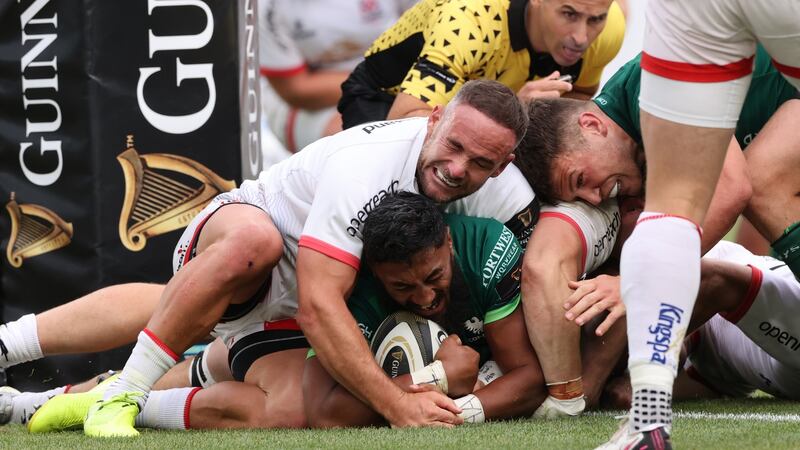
249,249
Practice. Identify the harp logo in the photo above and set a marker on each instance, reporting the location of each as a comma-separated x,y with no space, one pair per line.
35,230
163,193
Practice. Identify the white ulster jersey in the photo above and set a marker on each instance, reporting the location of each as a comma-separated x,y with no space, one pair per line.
761,349
320,34
320,197
597,227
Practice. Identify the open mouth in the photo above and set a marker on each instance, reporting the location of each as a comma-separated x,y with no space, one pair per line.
431,308
444,178
572,53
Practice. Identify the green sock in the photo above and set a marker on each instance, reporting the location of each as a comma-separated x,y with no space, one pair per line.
787,247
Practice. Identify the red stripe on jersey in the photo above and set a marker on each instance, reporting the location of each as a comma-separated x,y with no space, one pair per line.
329,250
161,344
188,406
756,279
697,73
787,70
283,73
571,221
285,324
666,216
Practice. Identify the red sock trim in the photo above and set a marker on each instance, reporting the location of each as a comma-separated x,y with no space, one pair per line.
188,406
756,279
674,216
67,388
161,344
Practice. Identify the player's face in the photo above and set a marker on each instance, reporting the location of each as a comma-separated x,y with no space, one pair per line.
606,167
422,287
568,27
462,149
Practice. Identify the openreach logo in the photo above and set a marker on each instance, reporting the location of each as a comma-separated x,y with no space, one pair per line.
783,337
661,331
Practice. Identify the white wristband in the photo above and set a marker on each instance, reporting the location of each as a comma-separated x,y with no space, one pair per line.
471,409
433,374
489,372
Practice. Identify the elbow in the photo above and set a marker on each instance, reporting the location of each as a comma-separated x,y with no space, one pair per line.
308,317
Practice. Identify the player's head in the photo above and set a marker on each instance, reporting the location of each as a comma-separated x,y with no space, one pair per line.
566,28
407,246
470,140
573,150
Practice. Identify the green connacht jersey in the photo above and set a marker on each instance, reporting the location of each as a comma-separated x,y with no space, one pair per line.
768,90
485,286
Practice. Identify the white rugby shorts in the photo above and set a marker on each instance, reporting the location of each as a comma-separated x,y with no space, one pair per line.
698,55
278,302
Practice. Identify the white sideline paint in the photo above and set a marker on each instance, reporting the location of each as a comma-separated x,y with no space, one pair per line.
760,417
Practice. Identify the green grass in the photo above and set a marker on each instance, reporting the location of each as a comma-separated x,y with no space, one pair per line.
583,433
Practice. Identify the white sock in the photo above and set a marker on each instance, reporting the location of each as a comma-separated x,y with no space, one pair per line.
25,404
19,341
167,410
660,277
148,362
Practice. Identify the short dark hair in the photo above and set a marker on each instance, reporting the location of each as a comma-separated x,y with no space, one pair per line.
552,124
497,101
400,226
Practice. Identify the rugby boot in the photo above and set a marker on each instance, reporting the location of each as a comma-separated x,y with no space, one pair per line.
68,411
627,439
114,417
7,394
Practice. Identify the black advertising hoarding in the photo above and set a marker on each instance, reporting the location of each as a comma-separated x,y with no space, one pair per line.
119,121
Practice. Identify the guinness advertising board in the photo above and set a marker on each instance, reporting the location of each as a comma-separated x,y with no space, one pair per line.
119,121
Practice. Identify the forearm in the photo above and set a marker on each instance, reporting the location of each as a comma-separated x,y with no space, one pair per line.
555,339
311,90
516,394
600,356
731,196
341,347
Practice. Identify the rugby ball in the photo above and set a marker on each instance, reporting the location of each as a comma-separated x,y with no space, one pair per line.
406,342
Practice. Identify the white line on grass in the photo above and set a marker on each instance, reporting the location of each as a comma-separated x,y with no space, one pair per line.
763,417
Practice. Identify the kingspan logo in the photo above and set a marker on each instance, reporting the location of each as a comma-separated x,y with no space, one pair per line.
661,331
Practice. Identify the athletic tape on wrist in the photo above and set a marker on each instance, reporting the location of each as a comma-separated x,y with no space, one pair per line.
433,374
471,409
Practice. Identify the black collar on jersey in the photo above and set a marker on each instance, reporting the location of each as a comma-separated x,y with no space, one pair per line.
542,64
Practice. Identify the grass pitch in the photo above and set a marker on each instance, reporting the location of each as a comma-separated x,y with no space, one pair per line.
720,424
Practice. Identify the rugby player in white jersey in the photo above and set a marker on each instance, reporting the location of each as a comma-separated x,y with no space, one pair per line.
751,338
693,87
306,52
306,213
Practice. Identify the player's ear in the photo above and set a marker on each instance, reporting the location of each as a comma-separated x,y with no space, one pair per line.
449,238
591,122
436,116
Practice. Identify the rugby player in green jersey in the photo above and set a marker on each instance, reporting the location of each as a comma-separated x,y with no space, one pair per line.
461,272
593,151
